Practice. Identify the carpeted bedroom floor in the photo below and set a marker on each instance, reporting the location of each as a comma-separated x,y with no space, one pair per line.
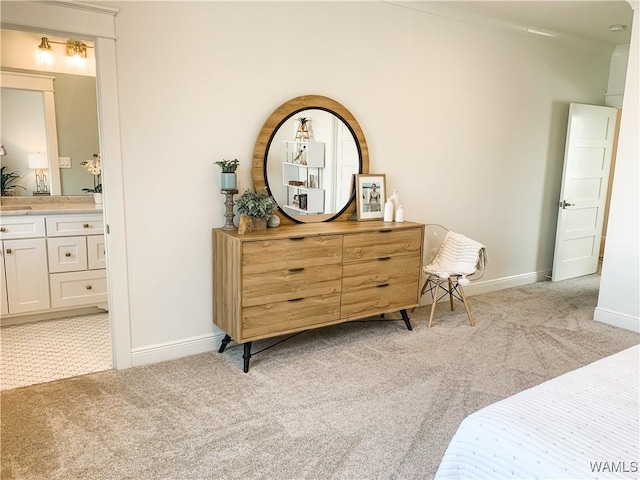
364,400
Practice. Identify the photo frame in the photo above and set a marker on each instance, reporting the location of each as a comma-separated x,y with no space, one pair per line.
371,191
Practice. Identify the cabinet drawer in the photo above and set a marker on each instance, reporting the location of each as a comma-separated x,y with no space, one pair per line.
384,243
67,254
380,299
73,289
295,252
69,225
282,317
96,252
280,285
21,226
391,270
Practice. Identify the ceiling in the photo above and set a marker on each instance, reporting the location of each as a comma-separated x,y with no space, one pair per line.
574,18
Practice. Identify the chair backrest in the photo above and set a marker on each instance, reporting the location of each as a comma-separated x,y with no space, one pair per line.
459,255
433,237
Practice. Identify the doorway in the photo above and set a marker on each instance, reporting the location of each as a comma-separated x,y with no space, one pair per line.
55,344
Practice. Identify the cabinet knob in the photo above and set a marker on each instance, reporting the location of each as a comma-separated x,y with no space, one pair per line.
88,287
2,229
86,225
9,251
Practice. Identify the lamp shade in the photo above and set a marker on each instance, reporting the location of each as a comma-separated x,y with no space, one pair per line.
38,160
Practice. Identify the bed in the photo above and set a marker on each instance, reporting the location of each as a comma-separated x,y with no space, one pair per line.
580,425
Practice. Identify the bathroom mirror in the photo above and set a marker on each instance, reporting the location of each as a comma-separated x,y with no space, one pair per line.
47,109
309,169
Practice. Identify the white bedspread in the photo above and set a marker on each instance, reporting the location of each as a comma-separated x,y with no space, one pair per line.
581,425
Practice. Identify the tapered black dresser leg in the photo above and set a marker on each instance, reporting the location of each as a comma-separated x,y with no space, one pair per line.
407,320
225,342
246,356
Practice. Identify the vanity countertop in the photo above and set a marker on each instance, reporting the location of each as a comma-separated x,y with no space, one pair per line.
50,209
54,205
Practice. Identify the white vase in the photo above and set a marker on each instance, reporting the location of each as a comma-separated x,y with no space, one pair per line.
97,198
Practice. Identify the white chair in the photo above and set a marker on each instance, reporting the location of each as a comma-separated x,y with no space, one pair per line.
451,261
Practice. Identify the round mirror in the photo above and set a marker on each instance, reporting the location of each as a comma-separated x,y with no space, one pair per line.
305,158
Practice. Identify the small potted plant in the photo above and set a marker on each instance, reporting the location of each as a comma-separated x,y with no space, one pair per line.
7,180
228,179
94,167
257,206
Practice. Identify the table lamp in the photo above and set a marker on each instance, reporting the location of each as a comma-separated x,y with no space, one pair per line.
40,163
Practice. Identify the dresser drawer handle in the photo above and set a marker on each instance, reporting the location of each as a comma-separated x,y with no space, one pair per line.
383,285
382,259
385,231
2,229
295,239
295,299
295,270
86,225
89,287
68,254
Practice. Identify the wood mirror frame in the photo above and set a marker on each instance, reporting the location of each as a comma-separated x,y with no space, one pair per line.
270,127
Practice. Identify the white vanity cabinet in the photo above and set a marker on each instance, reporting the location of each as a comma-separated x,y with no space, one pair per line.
25,276
52,262
75,246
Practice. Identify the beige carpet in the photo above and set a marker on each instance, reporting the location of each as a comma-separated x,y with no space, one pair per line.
354,401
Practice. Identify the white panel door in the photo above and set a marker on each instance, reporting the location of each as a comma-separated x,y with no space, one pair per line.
583,192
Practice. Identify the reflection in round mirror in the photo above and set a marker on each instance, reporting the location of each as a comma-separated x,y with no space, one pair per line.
310,168
307,166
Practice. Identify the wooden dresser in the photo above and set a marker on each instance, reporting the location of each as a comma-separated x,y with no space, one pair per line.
296,277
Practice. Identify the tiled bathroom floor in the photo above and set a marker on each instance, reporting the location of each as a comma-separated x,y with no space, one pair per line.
49,350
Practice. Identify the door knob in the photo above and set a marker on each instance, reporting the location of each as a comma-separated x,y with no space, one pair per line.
565,204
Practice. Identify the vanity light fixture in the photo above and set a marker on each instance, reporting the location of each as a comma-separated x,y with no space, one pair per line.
39,162
74,49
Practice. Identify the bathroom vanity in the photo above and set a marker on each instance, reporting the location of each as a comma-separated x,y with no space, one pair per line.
52,258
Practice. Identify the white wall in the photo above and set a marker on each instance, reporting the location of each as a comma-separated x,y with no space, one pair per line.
467,122
619,296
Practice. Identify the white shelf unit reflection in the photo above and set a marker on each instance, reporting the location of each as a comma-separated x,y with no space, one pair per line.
302,177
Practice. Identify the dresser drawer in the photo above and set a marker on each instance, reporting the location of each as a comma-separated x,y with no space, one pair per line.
294,252
69,225
67,254
383,243
283,317
276,286
391,270
21,226
380,299
74,289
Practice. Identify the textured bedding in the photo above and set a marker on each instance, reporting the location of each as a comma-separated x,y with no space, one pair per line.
581,425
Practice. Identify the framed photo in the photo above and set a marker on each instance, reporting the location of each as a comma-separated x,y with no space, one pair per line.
371,194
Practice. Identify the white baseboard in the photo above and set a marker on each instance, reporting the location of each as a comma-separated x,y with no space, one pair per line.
478,287
617,319
161,352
